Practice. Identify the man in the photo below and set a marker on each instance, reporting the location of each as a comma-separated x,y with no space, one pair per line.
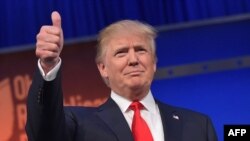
126,60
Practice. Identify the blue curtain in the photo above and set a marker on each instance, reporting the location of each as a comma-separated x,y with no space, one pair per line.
20,20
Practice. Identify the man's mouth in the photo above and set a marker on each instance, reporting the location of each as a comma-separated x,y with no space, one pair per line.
134,73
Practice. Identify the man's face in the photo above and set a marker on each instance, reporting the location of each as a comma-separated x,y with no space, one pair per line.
128,64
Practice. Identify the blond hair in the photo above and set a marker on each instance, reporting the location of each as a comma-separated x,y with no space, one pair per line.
120,27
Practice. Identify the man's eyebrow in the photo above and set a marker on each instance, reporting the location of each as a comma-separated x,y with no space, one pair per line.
139,46
122,48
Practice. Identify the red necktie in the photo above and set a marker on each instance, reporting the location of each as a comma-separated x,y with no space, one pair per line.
140,128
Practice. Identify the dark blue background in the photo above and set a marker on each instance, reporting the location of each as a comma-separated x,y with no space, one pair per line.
20,20
225,94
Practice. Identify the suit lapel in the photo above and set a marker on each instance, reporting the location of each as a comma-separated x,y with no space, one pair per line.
172,123
111,114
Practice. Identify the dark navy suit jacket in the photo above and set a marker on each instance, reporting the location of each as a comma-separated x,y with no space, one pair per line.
48,120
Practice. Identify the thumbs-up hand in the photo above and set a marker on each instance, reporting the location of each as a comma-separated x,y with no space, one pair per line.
50,43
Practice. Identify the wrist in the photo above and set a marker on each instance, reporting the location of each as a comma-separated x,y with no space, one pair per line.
48,65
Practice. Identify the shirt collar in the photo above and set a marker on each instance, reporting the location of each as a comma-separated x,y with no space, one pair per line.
123,103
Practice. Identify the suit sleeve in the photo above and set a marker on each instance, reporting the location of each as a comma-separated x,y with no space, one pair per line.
45,114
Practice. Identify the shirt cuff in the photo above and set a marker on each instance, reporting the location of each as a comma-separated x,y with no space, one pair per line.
51,75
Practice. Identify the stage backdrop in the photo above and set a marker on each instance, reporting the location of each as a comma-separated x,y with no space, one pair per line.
202,66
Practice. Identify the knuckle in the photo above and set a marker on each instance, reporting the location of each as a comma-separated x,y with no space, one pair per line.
38,44
57,39
38,53
55,46
43,28
39,36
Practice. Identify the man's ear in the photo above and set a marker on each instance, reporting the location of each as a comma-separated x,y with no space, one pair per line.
102,69
155,67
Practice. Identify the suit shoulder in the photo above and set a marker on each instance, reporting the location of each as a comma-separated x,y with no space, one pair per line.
185,113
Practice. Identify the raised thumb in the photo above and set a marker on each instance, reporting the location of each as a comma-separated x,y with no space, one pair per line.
56,19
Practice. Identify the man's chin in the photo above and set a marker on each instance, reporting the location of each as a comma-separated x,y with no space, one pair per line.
136,85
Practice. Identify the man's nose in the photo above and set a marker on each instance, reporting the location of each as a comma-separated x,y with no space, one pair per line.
133,58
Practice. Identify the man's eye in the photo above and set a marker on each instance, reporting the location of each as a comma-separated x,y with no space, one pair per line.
141,50
120,53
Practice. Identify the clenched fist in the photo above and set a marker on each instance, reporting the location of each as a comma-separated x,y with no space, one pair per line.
50,43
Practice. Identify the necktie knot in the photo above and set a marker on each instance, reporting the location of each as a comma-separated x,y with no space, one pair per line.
135,106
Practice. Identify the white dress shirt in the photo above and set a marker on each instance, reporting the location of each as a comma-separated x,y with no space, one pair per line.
150,113
51,75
